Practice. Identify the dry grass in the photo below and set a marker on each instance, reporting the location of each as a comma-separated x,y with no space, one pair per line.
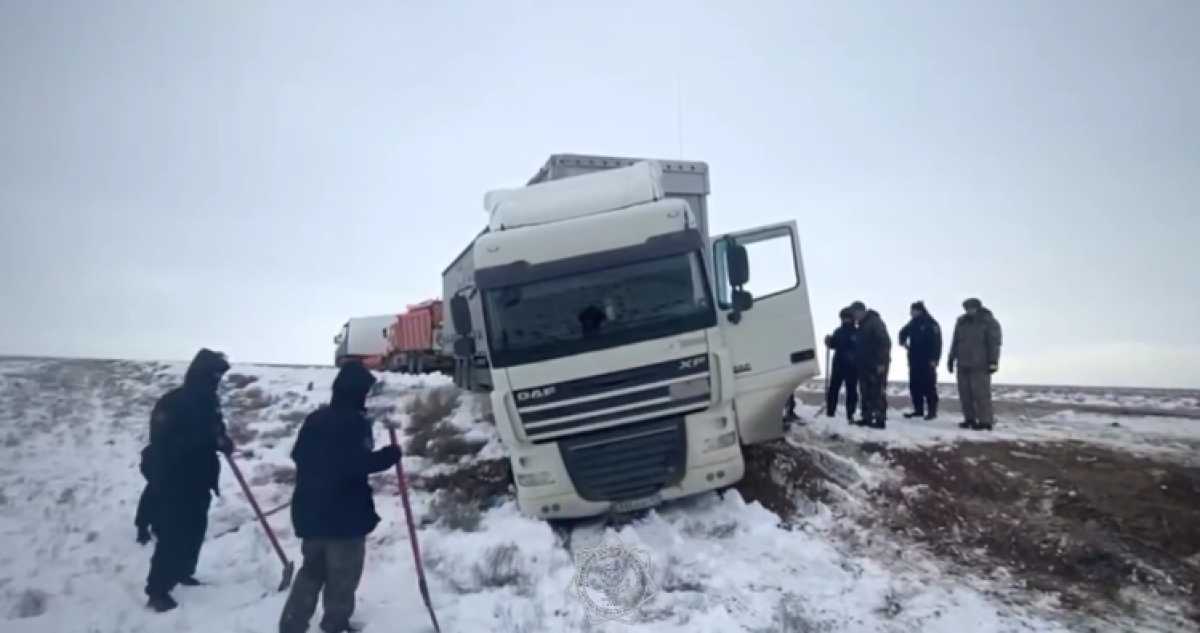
501,567
430,433
284,475
435,405
453,510
248,400
240,432
239,381
31,604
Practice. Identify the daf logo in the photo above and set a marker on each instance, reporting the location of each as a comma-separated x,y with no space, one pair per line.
535,394
692,363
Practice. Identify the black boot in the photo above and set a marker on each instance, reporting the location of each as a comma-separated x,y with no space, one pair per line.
161,603
967,424
879,423
983,427
190,581
913,414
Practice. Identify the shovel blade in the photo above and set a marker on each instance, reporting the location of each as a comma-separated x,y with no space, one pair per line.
289,570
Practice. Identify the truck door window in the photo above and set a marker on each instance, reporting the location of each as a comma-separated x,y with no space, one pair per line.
772,265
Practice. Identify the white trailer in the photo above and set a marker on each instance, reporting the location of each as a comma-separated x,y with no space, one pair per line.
364,339
628,353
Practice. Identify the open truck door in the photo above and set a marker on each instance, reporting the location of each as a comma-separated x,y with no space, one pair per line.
766,321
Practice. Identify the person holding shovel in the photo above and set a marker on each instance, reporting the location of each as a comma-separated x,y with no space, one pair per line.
182,471
332,506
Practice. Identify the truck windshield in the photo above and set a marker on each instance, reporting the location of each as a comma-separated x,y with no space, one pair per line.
597,309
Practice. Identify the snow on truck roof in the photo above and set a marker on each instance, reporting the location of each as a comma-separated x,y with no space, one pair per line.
574,197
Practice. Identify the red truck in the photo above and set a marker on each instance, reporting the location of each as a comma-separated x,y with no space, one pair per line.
414,341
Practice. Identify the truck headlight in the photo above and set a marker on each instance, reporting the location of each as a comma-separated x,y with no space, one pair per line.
540,478
724,440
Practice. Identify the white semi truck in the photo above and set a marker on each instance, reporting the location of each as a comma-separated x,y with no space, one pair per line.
628,354
364,339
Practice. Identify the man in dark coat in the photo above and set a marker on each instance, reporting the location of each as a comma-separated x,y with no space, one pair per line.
873,354
332,507
922,337
975,349
186,432
844,371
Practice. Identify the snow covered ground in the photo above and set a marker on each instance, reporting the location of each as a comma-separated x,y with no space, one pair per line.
69,483
1185,402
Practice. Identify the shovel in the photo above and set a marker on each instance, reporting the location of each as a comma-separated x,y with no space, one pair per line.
412,533
289,568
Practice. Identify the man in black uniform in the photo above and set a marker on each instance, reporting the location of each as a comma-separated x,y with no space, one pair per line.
873,354
186,432
332,507
922,337
844,371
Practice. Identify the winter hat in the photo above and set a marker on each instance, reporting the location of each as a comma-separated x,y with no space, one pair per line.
858,305
919,305
972,303
845,313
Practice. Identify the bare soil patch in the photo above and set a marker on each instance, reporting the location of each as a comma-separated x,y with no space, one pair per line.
1082,521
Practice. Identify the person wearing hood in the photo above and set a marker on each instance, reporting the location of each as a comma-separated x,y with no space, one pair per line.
975,351
873,355
182,471
332,506
922,337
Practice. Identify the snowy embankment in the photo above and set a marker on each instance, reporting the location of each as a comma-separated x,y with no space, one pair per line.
1110,400
69,482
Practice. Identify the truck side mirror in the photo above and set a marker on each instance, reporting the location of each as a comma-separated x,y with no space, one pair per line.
464,347
738,264
742,300
460,315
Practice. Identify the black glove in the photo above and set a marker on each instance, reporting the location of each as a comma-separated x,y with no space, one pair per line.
225,445
950,365
828,341
143,535
390,453
992,368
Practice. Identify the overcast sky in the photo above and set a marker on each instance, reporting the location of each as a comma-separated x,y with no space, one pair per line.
248,175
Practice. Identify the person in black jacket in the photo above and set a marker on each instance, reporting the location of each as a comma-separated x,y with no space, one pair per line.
844,371
922,337
186,432
873,355
332,507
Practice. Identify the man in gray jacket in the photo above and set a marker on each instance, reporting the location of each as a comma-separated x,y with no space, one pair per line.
976,351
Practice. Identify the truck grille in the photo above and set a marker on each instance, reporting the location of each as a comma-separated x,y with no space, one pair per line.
671,388
627,462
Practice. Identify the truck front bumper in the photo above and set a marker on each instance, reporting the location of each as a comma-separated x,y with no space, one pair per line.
545,488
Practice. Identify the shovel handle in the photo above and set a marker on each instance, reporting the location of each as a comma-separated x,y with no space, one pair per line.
402,488
237,472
